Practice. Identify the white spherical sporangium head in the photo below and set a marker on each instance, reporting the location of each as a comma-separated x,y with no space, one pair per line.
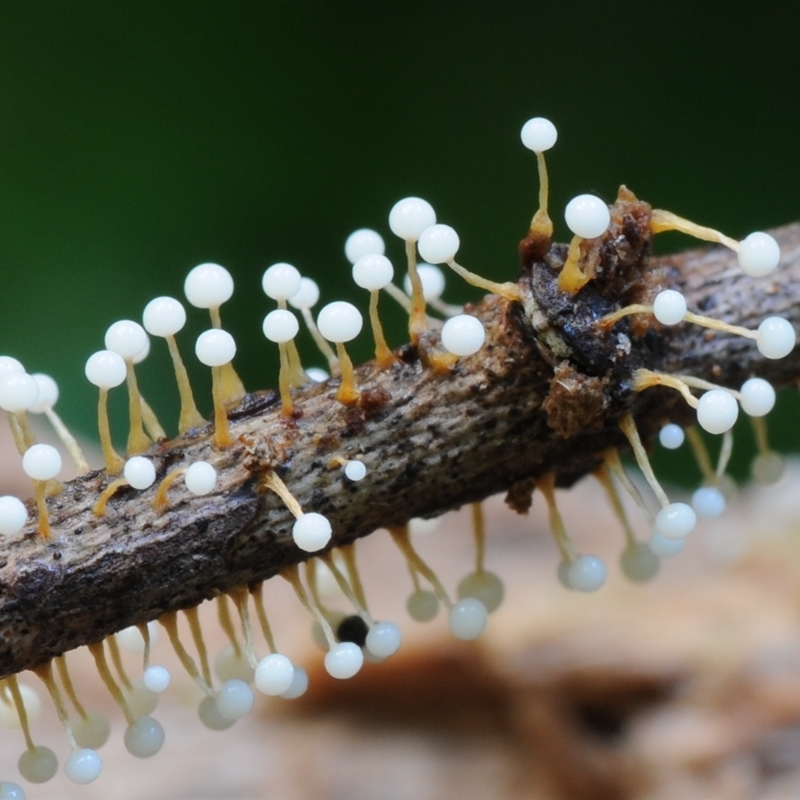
105,369
538,134
717,411
18,392
215,347
140,472
126,337
373,272
307,296
164,316
438,244
671,436
758,397
759,254
776,337
340,321
669,307
280,326
587,216
409,217
208,286
363,242
433,281
311,532
463,335
42,462
281,281
13,515
676,521
200,478
48,393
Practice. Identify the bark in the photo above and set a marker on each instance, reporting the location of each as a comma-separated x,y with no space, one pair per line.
545,394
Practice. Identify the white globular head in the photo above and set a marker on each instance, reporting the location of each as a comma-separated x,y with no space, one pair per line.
208,286
317,374
38,764
708,501
344,660
717,411
92,731
215,347
10,364
776,337
432,279
105,369
422,605
639,563
373,271
13,515
140,472
299,685
340,321
759,254
209,714
463,335
164,316
484,585
144,738
384,639
307,296
671,436
83,766
410,216
156,678
281,281
42,462
11,791
200,478
587,216
676,521
126,337
758,397
768,468
468,618
669,307
48,393
280,326
235,699
538,134
311,532
18,392
363,242
586,574
438,244
274,674
355,471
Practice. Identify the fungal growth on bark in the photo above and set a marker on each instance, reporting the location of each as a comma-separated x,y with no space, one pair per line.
594,349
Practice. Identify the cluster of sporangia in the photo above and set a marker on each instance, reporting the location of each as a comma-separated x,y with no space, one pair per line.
347,639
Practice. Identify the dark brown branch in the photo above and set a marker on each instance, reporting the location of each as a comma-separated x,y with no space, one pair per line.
545,394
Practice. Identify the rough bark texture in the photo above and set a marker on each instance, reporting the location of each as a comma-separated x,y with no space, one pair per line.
545,394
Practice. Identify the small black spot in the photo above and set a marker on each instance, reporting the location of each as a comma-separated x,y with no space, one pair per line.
78,530
352,629
57,556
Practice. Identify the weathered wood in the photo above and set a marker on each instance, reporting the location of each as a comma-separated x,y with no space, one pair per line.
545,394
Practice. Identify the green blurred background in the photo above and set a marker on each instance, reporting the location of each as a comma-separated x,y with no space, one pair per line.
140,138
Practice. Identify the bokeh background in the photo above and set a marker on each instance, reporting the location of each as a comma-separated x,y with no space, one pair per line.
139,138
